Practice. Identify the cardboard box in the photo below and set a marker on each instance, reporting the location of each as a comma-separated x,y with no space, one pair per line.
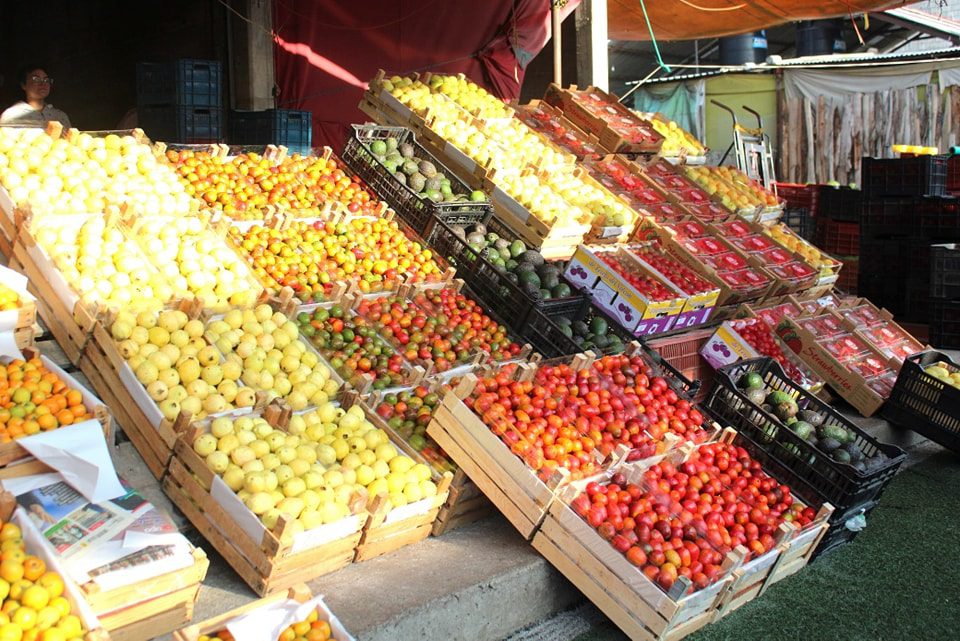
850,384
618,298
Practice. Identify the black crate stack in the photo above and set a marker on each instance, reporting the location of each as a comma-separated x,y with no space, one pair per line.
288,127
838,230
181,101
906,209
945,295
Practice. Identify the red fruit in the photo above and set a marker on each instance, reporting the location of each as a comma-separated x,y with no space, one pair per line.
606,530
636,556
621,543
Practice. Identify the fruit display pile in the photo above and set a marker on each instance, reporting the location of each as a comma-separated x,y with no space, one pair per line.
33,601
34,399
592,332
946,372
408,413
313,628
353,349
86,174
510,147
819,429
178,368
242,186
561,416
466,316
732,187
786,237
760,337
685,279
715,253
544,120
419,174
310,257
682,520
319,470
676,140
627,124
645,283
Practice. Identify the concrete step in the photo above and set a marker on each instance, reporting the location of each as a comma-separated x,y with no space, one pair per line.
480,582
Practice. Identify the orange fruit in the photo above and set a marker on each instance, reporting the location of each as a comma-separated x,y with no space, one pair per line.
11,570
54,585
10,531
33,568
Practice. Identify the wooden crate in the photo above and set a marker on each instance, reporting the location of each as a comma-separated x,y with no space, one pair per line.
299,593
465,504
386,531
34,544
634,603
506,481
152,607
114,381
70,321
754,577
262,557
13,451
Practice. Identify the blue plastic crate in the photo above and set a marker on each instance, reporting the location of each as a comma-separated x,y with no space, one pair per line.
182,83
189,125
288,127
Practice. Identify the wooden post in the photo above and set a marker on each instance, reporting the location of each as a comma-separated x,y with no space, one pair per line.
593,67
557,44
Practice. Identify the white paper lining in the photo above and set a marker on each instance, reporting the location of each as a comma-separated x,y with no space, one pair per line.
269,621
409,510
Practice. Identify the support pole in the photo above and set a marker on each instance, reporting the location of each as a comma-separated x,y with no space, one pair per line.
556,29
593,67
251,54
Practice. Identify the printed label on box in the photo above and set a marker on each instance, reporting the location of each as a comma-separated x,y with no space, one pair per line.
693,317
650,326
725,347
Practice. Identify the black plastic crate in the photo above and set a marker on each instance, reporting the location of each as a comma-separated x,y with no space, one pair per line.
543,327
840,533
410,207
800,220
945,270
182,83
924,403
839,203
913,176
491,286
945,323
288,127
817,476
189,125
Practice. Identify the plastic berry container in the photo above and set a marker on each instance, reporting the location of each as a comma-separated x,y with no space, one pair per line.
753,243
902,350
884,335
825,325
776,256
705,246
735,228
726,262
845,347
883,384
864,316
745,279
869,367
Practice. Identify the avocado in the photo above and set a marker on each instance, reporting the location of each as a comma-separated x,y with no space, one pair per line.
479,228
406,150
500,243
531,290
511,265
776,397
401,177
785,410
432,183
416,182
598,325
601,341
532,256
530,277
427,169
751,380
459,232
829,444
580,328
562,290
512,278
841,455
853,450
811,417
802,429
409,167
378,147
476,239
477,196
755,396
834,432
517,249
563,320
549,279
567,331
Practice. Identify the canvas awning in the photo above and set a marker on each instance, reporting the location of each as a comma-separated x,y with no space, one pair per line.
691,19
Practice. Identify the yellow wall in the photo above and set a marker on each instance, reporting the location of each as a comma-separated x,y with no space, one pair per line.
757,91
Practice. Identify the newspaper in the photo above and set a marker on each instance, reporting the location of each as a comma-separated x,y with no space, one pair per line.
94,539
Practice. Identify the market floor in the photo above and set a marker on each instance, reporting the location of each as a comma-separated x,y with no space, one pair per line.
898,580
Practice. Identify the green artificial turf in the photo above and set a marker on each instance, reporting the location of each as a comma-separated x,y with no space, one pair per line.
898,580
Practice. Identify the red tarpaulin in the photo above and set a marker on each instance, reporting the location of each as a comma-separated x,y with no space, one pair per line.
327,51
690,19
